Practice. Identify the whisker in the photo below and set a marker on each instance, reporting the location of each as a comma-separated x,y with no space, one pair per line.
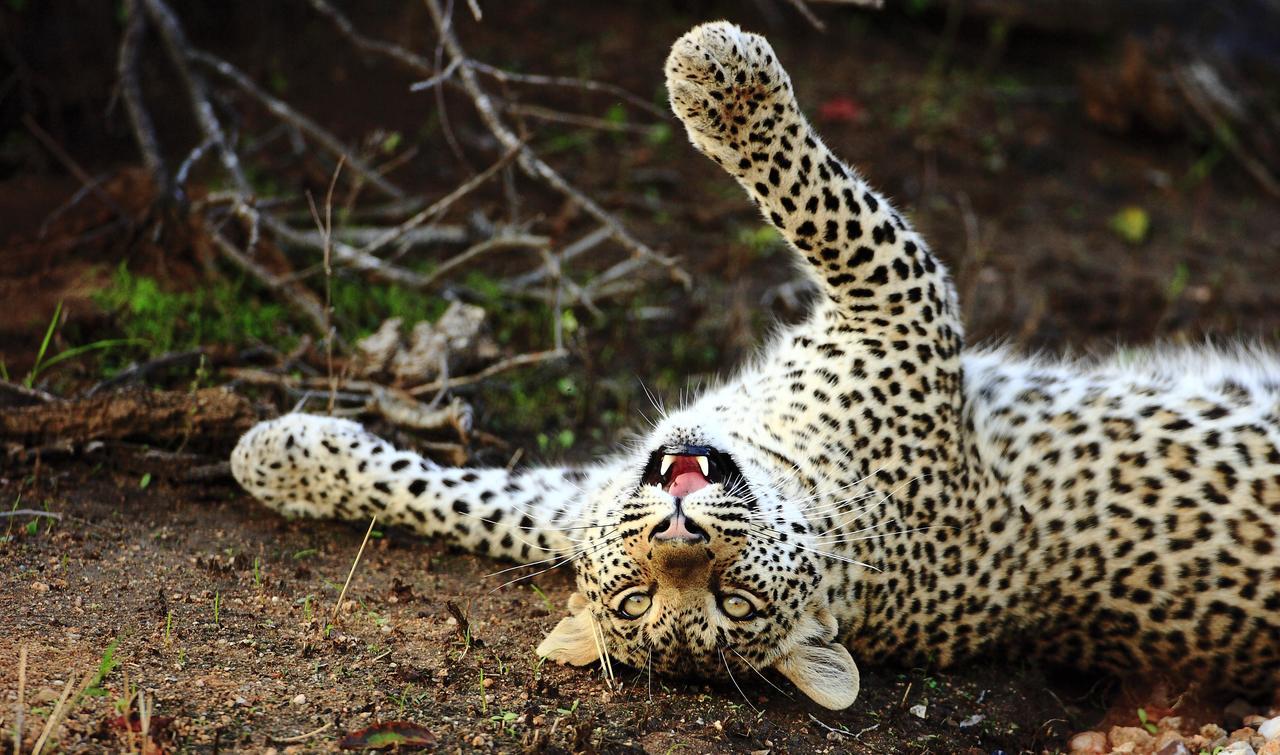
725,661
563,560
846,539
815,551
766,679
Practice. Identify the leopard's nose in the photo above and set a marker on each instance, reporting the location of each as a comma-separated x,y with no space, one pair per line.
679,529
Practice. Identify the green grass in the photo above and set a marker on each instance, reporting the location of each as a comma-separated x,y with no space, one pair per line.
225,312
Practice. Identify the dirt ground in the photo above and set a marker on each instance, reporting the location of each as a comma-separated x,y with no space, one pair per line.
220,612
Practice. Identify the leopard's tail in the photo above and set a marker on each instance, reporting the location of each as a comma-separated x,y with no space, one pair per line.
312,466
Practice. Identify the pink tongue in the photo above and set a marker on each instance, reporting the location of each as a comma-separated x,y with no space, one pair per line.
686,477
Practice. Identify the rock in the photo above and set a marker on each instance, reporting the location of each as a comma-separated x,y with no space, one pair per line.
300,699
1238,748
919,711
1166,738
1140,737
1270,748
1212,732
1253,720
376,349
1270,729
1088,743
972,721
1174,748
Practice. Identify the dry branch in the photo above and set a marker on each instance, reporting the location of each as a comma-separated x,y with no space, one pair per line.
144,132
569,82
529,162
365,249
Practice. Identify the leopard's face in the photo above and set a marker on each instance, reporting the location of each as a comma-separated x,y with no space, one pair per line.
699,568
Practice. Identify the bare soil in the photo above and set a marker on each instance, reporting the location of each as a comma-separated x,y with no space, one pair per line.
221,609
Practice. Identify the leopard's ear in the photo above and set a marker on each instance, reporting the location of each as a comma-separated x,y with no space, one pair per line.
824,671
574,639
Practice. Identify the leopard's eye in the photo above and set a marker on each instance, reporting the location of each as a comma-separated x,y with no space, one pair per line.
737,607
634,605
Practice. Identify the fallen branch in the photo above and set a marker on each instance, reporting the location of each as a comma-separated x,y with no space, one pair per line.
530,163
211,415
144,131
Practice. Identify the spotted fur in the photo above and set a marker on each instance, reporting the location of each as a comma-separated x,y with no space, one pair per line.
873,486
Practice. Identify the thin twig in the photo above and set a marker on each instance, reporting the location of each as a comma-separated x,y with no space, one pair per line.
22,688
530,163
31,512
440,206
368,44
568,82
520,360
286,113
585,244
803,9
574,119
300,737
326,234
59,712
141,370
333,620
497,243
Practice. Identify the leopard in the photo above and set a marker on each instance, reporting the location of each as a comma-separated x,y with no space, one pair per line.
867,486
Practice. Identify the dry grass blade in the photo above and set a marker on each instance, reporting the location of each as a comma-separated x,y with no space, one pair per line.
343,593
326,234
22,689
60,710
301,737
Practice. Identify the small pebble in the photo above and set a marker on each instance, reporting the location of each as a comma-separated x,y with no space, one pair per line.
1270,729
487,683
1174,748
919,711
1270,748
301,699
1140,737
1238,748
1088,743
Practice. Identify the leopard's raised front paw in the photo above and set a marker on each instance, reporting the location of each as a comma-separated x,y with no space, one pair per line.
724,85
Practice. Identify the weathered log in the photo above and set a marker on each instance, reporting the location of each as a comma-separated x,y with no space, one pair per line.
210,417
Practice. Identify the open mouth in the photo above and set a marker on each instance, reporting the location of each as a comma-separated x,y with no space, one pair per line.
684,470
